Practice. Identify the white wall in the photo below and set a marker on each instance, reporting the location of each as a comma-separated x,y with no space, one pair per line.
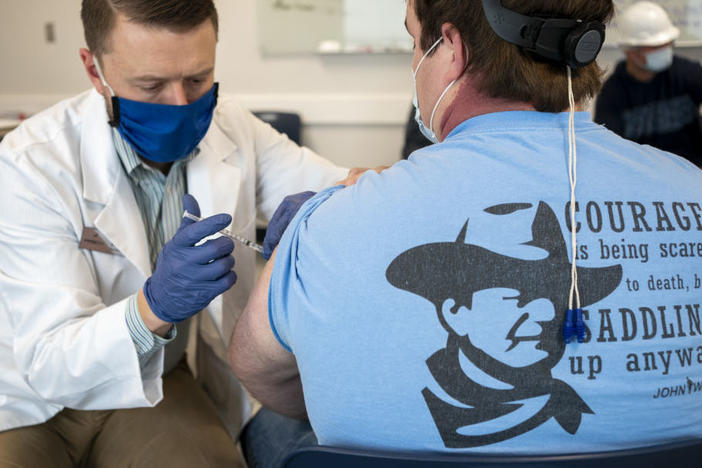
354,106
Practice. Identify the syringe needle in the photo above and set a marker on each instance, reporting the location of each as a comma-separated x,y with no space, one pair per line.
226,232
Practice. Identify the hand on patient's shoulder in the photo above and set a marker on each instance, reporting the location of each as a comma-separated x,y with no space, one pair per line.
281,218
356,172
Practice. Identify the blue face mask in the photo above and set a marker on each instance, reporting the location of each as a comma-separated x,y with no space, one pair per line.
427,132
158,132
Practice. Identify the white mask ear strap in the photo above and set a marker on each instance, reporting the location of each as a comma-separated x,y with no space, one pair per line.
433,113
438,41
573,174
574,325
102,77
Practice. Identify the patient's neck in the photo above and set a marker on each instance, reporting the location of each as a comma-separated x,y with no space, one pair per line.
469,103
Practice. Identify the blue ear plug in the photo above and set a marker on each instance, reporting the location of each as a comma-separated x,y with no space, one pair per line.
574,326
579,325
569,326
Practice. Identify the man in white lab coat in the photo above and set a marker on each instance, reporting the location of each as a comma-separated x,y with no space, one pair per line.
92,278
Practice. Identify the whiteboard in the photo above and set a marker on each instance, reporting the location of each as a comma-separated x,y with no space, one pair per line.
298,26
332,26
343,26
376,26
685,14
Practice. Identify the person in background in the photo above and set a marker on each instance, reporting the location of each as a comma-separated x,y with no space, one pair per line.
97,264
653,96
428,308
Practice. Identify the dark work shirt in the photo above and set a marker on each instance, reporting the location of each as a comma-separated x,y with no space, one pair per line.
663,112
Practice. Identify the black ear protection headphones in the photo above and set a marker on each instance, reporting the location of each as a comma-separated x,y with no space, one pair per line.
570,41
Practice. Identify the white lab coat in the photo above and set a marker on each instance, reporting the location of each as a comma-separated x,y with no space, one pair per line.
64,341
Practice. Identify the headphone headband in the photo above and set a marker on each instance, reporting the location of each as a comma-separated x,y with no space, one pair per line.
570,41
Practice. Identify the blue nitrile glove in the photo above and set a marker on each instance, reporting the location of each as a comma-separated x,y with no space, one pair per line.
188,277
281,218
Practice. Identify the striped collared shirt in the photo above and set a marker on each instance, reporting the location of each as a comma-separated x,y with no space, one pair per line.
160,201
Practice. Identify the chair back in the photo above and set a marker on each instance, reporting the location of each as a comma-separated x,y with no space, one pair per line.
679,455
288,123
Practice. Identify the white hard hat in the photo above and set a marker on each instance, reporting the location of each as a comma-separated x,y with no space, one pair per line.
646,24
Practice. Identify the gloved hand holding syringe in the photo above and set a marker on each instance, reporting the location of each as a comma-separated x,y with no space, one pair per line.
228,233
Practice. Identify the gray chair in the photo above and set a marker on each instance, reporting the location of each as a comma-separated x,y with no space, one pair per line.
288,123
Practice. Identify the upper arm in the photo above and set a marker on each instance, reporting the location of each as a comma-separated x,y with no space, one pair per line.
255,353
258,351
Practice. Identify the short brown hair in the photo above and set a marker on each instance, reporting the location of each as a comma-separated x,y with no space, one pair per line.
179,15
507,71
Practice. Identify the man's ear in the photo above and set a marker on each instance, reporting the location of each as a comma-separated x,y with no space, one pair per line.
88,60
459,54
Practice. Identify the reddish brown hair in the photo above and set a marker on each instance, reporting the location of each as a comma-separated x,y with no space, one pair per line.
99,17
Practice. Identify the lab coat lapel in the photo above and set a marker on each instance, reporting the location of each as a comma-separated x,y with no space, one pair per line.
215,181
105,183
213,178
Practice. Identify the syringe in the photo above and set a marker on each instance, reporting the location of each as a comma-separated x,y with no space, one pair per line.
226,232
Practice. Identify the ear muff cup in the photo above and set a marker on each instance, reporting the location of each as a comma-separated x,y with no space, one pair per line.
583,44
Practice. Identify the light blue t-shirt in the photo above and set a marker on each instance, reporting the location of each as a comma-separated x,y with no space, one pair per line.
424,305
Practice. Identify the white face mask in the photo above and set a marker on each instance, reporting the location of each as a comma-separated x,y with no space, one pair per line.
427,132
659,60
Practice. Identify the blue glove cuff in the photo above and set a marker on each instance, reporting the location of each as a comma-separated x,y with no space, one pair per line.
153,305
